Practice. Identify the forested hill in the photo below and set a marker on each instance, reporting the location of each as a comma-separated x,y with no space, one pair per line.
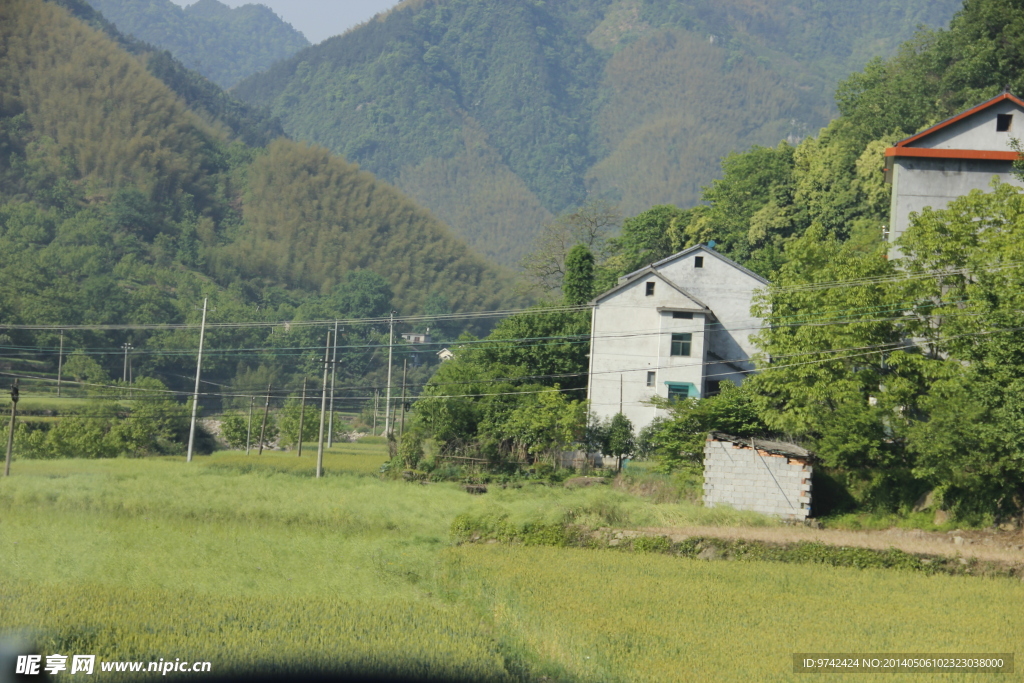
118,204
222,43
497,114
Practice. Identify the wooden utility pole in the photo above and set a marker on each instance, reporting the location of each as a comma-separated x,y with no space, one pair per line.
60,362
334,376
10,429
376,401
266,411
405,368
195,394
391,348
323,412
620,393
248,431
302,414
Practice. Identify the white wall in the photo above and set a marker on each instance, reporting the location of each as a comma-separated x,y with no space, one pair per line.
920,183
728,291
630,337
740,477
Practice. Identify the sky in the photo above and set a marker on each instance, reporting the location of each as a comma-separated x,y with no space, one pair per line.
318,19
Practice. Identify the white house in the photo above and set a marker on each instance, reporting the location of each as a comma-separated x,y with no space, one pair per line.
952,158
676,328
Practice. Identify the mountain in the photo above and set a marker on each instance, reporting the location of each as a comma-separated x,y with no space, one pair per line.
499,114
222,43
121,205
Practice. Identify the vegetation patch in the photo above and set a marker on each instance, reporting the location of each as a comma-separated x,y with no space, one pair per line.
469,529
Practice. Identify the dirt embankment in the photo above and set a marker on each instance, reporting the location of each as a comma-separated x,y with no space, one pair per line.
990,545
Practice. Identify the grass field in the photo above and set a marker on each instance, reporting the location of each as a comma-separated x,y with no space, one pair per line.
250,563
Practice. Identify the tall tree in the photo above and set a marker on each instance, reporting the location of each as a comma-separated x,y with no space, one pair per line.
578,284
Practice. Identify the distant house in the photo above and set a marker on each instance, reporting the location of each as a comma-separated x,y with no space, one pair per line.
675,329
417,337
445,354
952,158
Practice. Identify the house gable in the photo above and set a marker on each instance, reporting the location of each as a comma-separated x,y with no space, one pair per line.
690,252
982,132
666,294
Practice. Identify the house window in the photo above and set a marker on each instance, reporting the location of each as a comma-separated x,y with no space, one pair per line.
650,378
681,344
650,289
680,390
1003,122
679,315
698,261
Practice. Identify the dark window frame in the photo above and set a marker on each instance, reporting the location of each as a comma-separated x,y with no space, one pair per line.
650,289
682,344
1004,122
652,378
682,315
698,261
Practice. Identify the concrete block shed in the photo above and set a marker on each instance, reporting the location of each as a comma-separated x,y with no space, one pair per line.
771,477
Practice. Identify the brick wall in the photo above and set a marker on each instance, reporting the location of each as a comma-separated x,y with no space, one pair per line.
737,475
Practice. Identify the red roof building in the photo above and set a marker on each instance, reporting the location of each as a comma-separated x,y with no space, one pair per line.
948,160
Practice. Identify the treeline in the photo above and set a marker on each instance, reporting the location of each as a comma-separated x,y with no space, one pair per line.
119,204
223,44
500,115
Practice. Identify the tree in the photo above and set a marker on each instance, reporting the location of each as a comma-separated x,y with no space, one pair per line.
619,440
645,238
288,422
84,369
543,424
588,225
677,440
578,284
363,294
235,430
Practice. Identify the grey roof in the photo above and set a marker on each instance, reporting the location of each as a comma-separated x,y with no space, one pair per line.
686,252
652,271
777,447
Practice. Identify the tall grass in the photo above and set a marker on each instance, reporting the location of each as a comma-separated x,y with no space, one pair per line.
611,616
252,563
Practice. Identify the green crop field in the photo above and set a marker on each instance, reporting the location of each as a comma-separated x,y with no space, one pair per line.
250,563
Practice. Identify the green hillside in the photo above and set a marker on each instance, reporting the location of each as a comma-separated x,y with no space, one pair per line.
222,43
120,205
497,115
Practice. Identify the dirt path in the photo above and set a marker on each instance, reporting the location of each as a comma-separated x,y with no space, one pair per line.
998,546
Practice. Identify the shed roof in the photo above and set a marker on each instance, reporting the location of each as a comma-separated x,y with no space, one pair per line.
779,447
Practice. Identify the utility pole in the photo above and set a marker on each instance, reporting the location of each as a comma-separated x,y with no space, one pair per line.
334,376
302,414
60,362
323,412
10,429
266,410
387,400
376,401
195,395
620,393
248,431
124,374
405,368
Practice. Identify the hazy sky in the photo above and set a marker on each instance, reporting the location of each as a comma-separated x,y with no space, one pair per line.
318,19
